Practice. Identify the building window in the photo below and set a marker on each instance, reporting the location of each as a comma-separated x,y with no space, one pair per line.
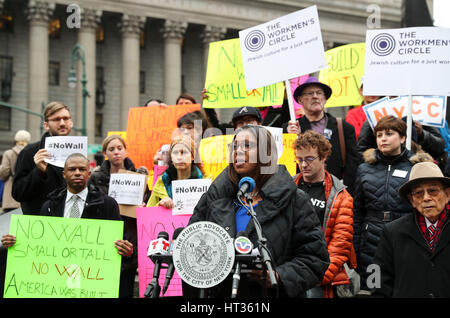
98,125
100,34
6,73
54,29
53,73
142,39
100,93
142,82
5,118
6,23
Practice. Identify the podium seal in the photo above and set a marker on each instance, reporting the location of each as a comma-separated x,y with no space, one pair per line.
203,254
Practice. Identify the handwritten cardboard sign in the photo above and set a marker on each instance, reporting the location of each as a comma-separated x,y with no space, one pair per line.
149,128
428,110
186,194
151,221
60,147
63,258
343,74
225,81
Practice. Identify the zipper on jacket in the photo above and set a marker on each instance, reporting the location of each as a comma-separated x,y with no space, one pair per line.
386,192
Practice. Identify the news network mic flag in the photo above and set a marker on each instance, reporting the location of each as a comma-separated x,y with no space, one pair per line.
407,61
160,245
281,49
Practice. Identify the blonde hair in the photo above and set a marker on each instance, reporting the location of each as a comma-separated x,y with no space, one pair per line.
110,138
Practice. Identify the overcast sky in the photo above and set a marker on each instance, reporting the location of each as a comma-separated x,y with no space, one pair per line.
442,13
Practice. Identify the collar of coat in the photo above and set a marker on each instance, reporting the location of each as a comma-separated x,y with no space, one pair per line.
94,197
277,193
373,156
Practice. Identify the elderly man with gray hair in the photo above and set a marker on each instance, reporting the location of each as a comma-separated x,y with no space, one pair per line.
414,251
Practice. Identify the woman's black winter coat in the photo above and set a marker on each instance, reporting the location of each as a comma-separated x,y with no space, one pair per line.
289,223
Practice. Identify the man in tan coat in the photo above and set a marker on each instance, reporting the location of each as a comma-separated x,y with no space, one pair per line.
7,167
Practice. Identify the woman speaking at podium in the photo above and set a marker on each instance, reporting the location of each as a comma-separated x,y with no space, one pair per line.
294,237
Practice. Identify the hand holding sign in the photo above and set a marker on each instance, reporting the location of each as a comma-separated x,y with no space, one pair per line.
59,148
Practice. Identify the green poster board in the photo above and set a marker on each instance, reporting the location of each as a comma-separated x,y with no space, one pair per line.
58,257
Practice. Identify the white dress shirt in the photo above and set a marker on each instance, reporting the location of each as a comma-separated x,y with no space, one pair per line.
81,202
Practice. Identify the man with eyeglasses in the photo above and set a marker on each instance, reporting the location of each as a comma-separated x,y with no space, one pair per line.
344,159
34,178
414,251
334,207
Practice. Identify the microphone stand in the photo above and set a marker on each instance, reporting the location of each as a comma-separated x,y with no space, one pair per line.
262,247
153,289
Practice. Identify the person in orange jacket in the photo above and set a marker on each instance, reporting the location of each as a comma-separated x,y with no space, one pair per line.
334,206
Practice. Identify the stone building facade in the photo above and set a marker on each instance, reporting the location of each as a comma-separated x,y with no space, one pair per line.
138,49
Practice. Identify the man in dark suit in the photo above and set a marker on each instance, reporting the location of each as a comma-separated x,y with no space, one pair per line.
78,201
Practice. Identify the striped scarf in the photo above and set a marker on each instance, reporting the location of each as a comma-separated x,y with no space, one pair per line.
432,233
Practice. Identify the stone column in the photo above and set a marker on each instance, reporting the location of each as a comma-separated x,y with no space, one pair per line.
86,38
173,32
213,34
131,27
38,14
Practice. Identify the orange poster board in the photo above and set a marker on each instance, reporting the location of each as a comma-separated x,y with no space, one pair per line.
149,128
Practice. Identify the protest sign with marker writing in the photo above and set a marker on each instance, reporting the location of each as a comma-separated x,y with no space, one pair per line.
63,257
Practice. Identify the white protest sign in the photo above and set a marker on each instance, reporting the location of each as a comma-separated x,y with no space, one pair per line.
277,134
186,194
428,110
281,49
408,61
60,147
127,188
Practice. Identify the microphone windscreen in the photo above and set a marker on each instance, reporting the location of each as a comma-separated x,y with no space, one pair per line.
163,235
177,232
250,181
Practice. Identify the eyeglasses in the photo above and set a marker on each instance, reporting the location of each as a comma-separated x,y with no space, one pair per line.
433,192
58,119
311,94
307,160
245,146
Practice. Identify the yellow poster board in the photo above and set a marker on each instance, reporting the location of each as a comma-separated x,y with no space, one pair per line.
225,80
215,153
343,74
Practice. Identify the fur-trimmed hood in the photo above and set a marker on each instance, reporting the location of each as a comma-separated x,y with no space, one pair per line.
373,155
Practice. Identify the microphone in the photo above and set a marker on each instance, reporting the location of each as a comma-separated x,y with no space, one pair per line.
156,247
171,269
246,184
242,245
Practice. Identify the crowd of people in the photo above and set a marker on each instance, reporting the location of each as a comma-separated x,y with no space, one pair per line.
360,199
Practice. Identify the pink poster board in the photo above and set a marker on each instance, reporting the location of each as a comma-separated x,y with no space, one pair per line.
151,221
295,82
